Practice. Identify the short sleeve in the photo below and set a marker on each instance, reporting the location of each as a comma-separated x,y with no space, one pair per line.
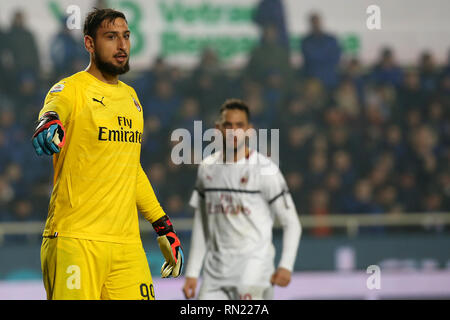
273,186
198,194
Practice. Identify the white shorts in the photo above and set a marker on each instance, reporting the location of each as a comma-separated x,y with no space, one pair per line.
237,277
241,292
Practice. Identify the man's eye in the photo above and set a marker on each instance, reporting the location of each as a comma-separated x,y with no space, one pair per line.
127,36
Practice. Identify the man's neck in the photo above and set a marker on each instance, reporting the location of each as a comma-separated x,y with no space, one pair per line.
237,154
107,78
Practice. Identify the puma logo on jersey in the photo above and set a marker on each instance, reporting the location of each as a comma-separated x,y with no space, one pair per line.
99,101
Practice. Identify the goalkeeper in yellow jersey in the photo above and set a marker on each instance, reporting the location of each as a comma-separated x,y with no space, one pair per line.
92,125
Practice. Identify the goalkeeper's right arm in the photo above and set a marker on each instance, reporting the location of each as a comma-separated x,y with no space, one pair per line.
49,135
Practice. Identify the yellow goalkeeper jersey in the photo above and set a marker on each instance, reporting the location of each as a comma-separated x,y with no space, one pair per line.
99,184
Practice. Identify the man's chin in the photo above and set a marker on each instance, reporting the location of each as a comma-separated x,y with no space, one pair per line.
112,68
121,69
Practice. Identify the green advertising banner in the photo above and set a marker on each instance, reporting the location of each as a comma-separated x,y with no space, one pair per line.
180,29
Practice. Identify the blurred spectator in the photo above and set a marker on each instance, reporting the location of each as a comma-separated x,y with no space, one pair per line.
144,84
353,72
319,208
387,198
361,201
275,91
14,175
333,184
271,12
188,113
269,58
66,53
444,89
346,98
157,173
313,94
433,201
23,210
164,103
409,193
22,46
438,120
386,71
262,113
317,170
394,143
428,72
295,113
208,82
321,53
339,139
175,206
29,99
411,94
342,165
382,99
13,136
6,192
153,140
293,155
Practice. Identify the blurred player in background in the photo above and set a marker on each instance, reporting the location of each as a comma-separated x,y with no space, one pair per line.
92,125
235,208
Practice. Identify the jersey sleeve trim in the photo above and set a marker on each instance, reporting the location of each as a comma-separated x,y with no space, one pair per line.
200,193
277,196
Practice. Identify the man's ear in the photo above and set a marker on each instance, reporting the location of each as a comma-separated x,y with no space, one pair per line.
89,44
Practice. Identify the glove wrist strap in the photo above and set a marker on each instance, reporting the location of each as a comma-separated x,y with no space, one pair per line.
163,226
46,121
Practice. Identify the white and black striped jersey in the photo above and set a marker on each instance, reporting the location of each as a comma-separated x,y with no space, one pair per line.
236,205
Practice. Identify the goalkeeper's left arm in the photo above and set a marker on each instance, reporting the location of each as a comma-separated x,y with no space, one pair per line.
168,241
170,247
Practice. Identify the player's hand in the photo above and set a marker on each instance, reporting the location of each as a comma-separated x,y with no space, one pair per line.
189,287
50,135
281,277
170,246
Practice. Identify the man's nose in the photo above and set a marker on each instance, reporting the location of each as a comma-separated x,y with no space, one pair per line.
122,44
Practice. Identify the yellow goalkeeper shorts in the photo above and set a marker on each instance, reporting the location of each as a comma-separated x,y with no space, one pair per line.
75,269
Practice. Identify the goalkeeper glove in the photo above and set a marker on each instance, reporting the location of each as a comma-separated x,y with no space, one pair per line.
49,135
170,247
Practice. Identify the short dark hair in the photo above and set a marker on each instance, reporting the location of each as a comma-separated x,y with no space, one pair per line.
235,104
95,18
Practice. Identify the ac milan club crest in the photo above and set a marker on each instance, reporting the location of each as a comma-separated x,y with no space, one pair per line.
244,179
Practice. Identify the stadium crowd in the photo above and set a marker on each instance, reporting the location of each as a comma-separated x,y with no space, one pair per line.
360,139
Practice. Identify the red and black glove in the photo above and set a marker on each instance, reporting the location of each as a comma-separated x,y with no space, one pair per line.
170,247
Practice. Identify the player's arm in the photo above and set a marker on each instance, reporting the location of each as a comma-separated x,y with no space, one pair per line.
168,241
282,205
50,134
198,242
